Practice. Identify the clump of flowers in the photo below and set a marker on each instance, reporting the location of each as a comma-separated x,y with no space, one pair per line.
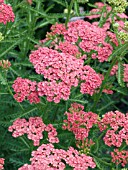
47,157
6,13
1,163
61,71
34,129
25,88
79,122
120,157
90,80
116,124
5,64
86,36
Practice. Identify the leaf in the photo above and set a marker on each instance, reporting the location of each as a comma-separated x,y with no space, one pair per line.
61,2
118,51
121,90
2,79
76,7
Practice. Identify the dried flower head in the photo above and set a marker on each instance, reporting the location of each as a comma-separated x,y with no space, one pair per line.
5,64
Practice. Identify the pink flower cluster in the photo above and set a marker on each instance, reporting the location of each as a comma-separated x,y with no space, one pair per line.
99,8
69,48
34,129
6,13
117,125
1,163
56,66
61,71
48,158
79,122
120,157
25,88
91,38
96,13
90,80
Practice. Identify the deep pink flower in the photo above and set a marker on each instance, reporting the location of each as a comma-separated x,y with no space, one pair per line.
79,122
6,13
25,89
118,128
120,157
90,80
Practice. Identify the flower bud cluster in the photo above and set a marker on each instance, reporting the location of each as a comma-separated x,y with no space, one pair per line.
123,36
5,64
48,158
119,5
34,129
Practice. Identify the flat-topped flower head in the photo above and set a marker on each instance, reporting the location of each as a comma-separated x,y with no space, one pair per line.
117,128
34,129
46,157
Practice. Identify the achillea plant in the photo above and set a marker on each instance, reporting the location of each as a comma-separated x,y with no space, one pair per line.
63,93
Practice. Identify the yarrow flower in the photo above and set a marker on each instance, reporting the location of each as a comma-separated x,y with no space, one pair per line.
117,123
6,13
25,88
2,163
34,129
120,157
47,157
90,80
79,122
84,35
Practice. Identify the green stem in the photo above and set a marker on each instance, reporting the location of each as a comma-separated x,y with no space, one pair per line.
98,96
69,12
8,87
24,142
